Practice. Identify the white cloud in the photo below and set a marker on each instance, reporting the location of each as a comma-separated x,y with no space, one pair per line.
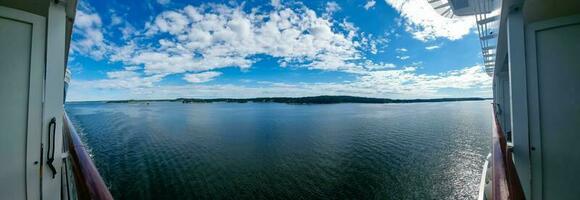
201,77
408,83
332,7
388,83
122,74
172,22
378,66
84,19
432,47
401,50
403,57
89,36
214,36
121,80
115,20
276,3
370,4
163,2
131,68
424,23
195,40
127,30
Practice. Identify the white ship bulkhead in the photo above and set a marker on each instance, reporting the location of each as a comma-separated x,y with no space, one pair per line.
34,39
532,50
537,86
533,54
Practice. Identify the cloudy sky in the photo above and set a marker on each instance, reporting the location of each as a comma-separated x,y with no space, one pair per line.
171,48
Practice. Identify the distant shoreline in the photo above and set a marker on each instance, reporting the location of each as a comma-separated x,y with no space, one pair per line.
299,100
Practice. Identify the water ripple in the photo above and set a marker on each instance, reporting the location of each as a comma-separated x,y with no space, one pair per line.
278,151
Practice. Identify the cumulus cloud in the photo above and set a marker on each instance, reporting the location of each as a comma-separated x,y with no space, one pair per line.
89,34
370,4
194,40
213,36
424,23
201,77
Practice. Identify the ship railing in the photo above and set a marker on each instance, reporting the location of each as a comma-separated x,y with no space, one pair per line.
81,179
505,181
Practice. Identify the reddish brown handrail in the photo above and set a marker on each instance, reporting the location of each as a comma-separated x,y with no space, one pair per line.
505,181
88,181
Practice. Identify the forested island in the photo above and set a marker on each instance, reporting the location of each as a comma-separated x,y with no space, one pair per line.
304,100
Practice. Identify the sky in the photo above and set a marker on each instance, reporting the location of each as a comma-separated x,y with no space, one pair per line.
165,49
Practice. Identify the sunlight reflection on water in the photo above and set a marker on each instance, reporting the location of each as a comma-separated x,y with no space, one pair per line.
278,151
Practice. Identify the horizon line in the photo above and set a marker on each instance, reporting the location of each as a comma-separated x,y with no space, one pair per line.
246,98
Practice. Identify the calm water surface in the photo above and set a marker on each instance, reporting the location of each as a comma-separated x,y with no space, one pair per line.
277,151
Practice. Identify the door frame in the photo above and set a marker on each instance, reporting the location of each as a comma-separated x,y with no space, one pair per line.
534,96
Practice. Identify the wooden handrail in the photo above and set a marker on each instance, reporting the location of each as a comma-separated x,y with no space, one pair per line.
505,181
88,181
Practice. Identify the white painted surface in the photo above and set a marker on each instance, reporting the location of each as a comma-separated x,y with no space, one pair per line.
518,94
14,67
54,92
554,57
506,125
21,70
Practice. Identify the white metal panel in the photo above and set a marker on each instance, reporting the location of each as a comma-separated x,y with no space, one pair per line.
518,95
54,92
554,77
14,67
506,125
21,74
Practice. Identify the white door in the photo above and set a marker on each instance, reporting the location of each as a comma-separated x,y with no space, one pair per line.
21,79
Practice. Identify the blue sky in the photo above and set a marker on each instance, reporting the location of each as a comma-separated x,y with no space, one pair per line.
169,49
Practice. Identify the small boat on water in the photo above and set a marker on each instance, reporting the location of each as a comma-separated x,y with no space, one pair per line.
530,48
